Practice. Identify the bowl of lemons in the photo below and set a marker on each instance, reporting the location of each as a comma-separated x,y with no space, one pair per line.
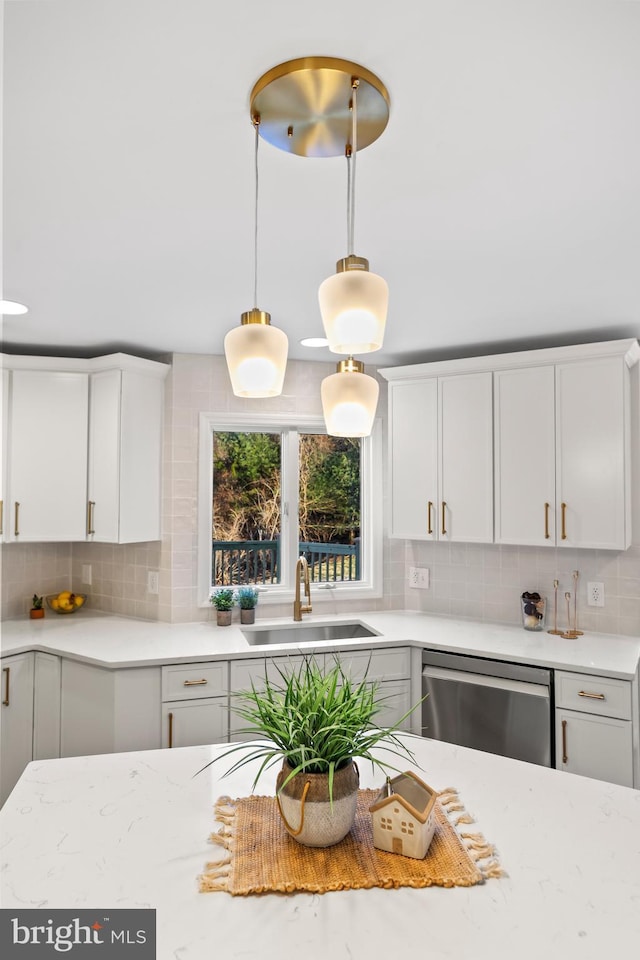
66,601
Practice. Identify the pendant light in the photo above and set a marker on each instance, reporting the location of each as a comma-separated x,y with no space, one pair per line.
353,302
349,400
256,352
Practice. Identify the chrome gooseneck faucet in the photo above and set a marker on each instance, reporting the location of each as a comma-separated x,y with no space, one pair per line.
302,573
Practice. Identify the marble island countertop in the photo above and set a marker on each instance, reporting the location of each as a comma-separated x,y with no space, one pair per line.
130,830
111,641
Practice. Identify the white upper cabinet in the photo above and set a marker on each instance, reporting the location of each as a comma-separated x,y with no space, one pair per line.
560,426
413,449
125,444
593,457
525,455
562,467
441,458
82,448
47,455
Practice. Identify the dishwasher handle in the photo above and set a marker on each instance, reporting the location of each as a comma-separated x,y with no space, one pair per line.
481,680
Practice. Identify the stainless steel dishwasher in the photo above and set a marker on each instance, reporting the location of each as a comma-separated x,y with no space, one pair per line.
490,705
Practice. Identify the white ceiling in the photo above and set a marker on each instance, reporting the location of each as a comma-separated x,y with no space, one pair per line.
502,204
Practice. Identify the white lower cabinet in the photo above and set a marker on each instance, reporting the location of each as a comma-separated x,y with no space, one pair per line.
195,703
245,674
30,717
594,727
108,711
46,706
16,719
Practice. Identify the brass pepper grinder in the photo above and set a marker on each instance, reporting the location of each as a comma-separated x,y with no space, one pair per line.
575,631
559,633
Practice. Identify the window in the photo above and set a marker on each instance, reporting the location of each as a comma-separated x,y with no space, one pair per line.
272,490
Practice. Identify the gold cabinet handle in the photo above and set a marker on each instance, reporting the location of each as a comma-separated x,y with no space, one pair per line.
563,511
6,671
592,696
546,521
1,517
444,529
16,518
429,521
194,683
170,730
90,508
565,758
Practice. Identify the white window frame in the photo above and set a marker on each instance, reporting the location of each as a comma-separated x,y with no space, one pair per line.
369,587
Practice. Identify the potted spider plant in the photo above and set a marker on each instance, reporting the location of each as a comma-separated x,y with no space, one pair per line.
317,723
223,600
247,599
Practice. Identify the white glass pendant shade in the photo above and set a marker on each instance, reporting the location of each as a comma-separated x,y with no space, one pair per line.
353,304
256,356
349,400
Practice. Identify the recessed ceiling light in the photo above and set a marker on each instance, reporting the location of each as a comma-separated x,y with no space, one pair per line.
314,342
12,307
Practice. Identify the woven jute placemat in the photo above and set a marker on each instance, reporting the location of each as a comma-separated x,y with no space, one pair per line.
259,856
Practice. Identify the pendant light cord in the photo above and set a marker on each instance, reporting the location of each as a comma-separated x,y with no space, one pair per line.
256,125
351,171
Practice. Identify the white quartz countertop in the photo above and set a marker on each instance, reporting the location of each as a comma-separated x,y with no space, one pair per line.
130,830
112,642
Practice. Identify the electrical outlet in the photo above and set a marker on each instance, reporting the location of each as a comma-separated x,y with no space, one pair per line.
419,578
86,573
595,594
153,581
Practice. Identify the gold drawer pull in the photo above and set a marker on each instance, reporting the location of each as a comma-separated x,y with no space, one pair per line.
546,521
563,512
565,758
194,683
429,521
170,730
6,671
444,528
592,696
16,519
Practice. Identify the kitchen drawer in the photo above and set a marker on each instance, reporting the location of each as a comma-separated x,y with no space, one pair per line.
391,663
599,695
194,681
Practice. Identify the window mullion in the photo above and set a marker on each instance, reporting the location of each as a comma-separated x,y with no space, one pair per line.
290,497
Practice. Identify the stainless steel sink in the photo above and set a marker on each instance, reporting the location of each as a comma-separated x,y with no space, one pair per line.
308,633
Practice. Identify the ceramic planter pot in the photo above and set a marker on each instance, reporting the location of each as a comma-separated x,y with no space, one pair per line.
304,805
223,618
36,614
247,616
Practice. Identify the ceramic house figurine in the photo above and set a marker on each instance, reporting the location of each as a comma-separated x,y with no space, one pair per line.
403,816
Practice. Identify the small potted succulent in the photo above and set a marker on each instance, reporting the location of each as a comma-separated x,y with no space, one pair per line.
223,600
247,598
37,610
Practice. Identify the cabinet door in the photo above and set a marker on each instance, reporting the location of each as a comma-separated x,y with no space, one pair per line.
4,420
413,453
48,455
592,454
597,747
46,707
465,510
525,456
16,720
125,446
396,701
189,723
